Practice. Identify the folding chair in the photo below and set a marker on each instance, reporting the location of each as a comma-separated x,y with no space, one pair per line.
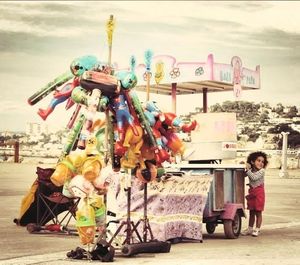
49,202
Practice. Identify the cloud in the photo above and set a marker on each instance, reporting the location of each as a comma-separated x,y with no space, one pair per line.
277,38
206,23
43,27
30,42
39,39
274,47
249,6
9,106
43,18
20,9
51,24
47,25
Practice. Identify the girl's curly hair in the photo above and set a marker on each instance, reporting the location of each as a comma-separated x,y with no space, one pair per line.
253,156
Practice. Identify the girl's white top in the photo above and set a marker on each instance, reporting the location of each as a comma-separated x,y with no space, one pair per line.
256,178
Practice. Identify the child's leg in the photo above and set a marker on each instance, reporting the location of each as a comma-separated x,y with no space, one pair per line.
258,215
249,230
252,218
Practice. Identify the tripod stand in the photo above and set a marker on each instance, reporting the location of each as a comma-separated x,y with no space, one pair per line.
145,219
128,224
129,247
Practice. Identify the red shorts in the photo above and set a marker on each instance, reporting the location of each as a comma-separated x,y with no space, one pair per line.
256,198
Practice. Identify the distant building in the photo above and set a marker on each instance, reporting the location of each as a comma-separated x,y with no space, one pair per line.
296,119
280,120
33,128
295,127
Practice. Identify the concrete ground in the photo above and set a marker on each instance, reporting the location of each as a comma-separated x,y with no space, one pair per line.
279,242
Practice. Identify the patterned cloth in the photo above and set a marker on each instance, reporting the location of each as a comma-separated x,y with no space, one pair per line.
175,206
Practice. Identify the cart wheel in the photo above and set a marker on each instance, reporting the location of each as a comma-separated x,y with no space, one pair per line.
33,228
211,227
232,228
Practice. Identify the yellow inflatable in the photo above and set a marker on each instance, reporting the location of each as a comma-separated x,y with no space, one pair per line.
87,162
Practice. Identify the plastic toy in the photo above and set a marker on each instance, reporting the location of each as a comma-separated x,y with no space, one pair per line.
87,162
78,67
85,221
59,97
123,116
163,125
136,143
92,106
51,86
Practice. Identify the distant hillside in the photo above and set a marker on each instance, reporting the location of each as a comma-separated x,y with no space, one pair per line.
256,122
260,120
249,111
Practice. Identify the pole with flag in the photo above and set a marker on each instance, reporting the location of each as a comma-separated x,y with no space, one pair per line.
148,59
110,26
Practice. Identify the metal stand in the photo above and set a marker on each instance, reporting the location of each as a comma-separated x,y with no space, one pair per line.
129,225
145,220
129,247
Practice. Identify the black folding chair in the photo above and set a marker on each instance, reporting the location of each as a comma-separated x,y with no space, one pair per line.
51,211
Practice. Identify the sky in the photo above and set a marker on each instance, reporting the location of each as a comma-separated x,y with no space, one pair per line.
39,39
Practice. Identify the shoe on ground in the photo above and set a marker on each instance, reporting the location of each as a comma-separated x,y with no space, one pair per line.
247,232
255,232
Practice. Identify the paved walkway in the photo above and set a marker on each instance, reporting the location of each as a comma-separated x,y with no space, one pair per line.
279,242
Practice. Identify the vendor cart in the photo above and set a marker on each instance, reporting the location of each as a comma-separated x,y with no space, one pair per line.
215,139
225,202
211,145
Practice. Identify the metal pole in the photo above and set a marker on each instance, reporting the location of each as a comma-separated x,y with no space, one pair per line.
204,90
17,147
145,213
148,87
110,26
283,171
128,185
148,59
174,87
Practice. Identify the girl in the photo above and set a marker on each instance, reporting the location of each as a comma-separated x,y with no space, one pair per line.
255,170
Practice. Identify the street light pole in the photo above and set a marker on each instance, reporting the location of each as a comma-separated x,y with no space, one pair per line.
283,171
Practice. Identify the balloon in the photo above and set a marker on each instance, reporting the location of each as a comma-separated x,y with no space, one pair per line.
148,174
86,234
62,173
91,168
80,187
80,65
136,141
85,222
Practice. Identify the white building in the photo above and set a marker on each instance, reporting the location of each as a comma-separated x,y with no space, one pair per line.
33,128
